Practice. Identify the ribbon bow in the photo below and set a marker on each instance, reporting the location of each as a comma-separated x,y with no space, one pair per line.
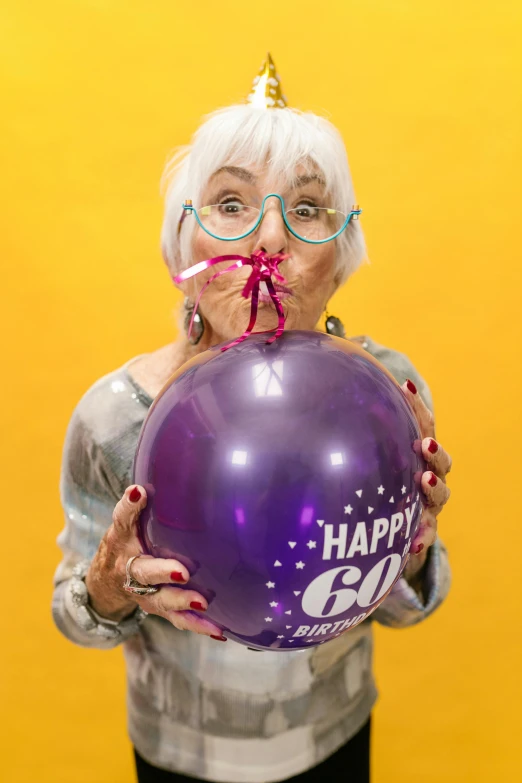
263,267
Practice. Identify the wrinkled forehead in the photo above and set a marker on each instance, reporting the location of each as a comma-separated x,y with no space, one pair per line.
266,179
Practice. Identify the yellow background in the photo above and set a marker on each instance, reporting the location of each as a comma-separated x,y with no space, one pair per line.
94,94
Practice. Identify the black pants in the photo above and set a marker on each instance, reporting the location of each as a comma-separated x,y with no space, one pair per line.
350,764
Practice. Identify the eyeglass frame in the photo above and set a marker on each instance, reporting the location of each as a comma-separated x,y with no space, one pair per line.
188,208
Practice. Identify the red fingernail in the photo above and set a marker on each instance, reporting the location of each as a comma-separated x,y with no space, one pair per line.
432,480
177,576
419,549
135,495
197,605
411,386
433,446
219,638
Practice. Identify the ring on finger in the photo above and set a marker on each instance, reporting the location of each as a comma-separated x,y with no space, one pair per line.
132,585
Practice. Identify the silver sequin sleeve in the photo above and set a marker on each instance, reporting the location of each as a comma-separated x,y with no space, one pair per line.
404,607
91,483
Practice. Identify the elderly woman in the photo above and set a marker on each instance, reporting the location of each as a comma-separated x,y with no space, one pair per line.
197,706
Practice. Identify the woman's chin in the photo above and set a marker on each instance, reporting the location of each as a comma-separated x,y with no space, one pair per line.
266,319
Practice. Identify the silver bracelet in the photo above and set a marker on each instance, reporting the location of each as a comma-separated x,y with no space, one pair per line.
90,620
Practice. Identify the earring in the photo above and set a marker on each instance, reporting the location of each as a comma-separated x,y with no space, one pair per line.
198,326
334,326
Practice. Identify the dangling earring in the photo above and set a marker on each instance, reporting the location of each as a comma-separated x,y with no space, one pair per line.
198,326
334,326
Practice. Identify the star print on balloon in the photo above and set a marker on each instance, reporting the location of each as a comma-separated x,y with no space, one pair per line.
284,477
341,546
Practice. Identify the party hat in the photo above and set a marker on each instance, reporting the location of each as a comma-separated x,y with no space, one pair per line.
266,90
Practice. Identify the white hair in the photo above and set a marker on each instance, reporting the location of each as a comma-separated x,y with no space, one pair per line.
247,135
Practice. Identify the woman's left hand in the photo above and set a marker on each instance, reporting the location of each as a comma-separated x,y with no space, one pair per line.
433,485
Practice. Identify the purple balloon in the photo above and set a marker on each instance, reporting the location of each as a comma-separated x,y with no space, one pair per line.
284,478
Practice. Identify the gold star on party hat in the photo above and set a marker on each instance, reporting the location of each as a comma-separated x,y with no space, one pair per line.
266,90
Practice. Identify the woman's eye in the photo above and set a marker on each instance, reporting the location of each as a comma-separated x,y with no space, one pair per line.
306,211
231,207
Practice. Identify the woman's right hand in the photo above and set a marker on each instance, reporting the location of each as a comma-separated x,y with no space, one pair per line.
106,575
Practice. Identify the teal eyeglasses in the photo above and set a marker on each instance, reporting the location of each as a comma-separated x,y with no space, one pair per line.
232,220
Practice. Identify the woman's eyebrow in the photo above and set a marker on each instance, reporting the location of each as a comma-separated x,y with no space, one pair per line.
238,172
306,179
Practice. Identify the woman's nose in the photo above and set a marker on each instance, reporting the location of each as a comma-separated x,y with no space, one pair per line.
272,235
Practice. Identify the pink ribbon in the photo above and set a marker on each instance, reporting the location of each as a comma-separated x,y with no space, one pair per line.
263,267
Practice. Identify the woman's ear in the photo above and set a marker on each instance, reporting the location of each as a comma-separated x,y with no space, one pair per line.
189,288
186,287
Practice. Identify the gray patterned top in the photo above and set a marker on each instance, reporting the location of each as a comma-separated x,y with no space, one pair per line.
217,711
